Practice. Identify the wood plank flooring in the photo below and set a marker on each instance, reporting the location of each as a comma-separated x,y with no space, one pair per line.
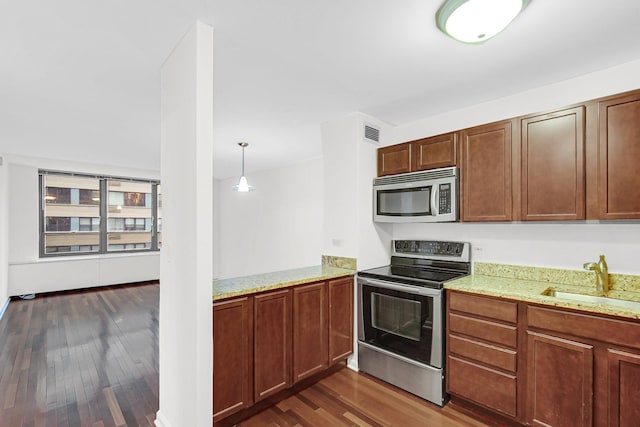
348,398
86,358
90,358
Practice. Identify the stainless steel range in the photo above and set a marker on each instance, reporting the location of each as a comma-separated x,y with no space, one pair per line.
401,315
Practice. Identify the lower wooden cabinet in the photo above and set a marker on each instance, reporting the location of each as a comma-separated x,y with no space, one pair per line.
341,316
310,338
482,351
232,356
266,342
272,343
561,367
560,381
624,388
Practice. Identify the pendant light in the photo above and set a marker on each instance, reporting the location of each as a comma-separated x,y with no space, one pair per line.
243,186
476,21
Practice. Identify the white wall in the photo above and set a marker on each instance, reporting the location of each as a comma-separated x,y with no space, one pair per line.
562,245
350,167
30,274
185,332
276,227
4,233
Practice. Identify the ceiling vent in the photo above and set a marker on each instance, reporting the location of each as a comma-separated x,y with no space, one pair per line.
371,134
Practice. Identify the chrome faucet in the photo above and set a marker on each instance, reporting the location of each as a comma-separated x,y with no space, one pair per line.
602,274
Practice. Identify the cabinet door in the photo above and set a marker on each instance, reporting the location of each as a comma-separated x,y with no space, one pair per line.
624,388
340,319
619,157
310,354
553,180
272,343
486,173
232,351
434,152
559,381
394,159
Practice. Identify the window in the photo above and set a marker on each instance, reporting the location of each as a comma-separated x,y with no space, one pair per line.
130,215
83,214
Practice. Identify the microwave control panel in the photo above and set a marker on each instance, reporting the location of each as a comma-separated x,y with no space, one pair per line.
444,199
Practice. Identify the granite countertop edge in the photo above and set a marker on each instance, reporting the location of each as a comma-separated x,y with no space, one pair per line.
532,291
247,285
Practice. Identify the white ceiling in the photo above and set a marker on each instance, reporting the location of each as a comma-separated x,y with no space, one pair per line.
79,79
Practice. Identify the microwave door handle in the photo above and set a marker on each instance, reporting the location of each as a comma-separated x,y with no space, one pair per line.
434,199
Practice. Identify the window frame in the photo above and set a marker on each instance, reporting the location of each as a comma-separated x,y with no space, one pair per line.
103,209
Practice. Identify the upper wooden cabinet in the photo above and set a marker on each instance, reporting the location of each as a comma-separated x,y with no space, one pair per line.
486,172
553,157
434,152
427,153
394,159
619,157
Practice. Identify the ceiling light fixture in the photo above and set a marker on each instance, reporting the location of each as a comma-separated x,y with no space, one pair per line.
476,21
243,186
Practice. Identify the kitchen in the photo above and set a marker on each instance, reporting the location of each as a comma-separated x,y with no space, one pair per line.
348,231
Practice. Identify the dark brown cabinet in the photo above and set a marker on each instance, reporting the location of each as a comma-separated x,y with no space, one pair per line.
553,162
427,153
310,337
340,319
434,152
232,357
272,343
619,157
624,388
266,342
482,351
542,366
486,173
599,367
394,159
560,381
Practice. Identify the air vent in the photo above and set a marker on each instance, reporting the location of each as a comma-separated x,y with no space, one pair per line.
417,176
371,134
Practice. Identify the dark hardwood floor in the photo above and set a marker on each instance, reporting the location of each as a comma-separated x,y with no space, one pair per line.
348,398
90,358
86,358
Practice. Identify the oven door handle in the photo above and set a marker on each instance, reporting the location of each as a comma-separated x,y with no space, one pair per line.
403,288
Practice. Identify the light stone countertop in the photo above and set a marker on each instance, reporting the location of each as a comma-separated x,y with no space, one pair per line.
227,288
518,285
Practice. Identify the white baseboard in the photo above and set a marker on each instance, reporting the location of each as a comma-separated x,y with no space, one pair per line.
161,421
4,307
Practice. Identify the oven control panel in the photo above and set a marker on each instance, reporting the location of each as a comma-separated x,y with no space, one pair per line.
430,249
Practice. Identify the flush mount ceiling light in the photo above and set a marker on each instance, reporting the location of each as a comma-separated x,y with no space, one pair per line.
243,186
476,21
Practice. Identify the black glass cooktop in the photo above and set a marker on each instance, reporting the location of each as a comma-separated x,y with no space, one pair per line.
420,276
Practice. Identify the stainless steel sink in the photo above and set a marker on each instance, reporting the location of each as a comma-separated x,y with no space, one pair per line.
634,305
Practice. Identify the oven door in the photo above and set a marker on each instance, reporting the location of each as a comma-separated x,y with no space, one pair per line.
402,319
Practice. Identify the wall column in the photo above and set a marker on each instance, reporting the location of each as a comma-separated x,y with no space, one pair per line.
186,266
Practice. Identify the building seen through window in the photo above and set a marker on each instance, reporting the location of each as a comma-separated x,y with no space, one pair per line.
74,207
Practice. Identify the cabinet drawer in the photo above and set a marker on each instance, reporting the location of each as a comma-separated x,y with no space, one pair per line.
612,331
484,330
497,357
506,311
482,385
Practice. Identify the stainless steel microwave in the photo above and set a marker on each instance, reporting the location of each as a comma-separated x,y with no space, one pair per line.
428,196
